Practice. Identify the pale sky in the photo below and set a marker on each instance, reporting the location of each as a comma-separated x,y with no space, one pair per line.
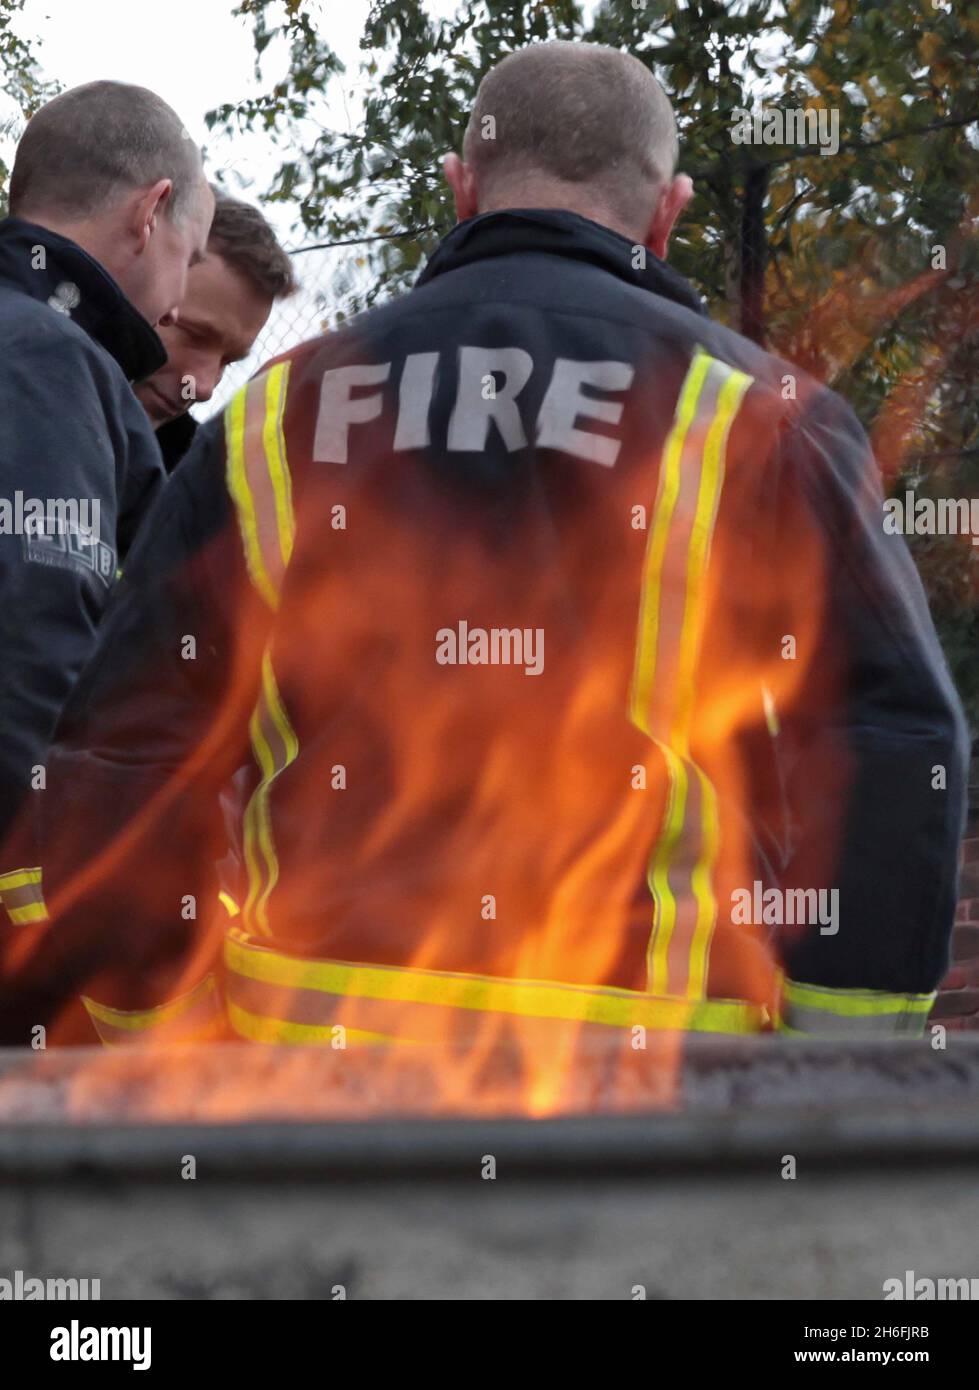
194,53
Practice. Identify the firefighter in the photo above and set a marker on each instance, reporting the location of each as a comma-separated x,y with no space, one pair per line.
226,305
557,628
109,209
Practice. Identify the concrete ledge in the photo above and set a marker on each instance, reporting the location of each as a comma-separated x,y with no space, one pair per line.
698,1074
829,1138
726,1233
762,1168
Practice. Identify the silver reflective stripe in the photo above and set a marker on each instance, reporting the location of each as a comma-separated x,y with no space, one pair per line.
195,1016
816,1010
796,1018
23,896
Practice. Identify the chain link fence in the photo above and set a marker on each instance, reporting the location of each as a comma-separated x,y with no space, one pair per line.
333,280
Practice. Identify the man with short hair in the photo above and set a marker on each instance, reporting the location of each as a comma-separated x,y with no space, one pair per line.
555,621
109,209
110,167
573,127
226,305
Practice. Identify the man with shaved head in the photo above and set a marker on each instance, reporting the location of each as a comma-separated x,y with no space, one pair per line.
109,209
573,126
578,684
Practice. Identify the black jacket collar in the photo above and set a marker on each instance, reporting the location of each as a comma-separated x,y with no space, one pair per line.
561,234
76,283
175,439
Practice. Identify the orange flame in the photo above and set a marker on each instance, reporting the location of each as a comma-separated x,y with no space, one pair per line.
490,820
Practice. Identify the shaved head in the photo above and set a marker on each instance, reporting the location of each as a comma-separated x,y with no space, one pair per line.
578,116
92,144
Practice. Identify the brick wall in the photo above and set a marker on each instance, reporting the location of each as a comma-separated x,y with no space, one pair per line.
957,1006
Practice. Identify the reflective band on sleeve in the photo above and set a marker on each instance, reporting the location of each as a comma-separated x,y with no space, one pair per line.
670,633
193,1017
288,999
23,896
836,1013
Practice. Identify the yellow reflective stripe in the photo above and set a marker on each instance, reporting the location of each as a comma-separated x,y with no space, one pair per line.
669,486
33,912
18,878
212,1030
664,903
278,1030
679,966
702,881
135,1020
711,482
671,624
202,997
900,1016
256,809
23,896
274,444
487,994
277,710
228,903
237,479
258,826
258,820
258,478
818,1011
853,1003
260,484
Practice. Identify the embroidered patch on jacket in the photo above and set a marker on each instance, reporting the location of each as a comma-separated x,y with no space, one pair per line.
71,550
66,297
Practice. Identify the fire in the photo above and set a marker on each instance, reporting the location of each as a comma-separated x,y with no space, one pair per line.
226,1083
454,870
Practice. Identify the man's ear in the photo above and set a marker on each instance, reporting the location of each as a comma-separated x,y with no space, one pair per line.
146,206
674,198
462,181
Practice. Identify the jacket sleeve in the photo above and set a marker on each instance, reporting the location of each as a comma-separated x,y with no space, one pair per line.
56,445
874,745
131,824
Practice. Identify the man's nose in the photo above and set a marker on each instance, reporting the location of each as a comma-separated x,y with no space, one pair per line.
207,382
169,318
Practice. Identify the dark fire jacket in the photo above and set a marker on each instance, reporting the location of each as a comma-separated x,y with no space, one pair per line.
574,670
76,452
